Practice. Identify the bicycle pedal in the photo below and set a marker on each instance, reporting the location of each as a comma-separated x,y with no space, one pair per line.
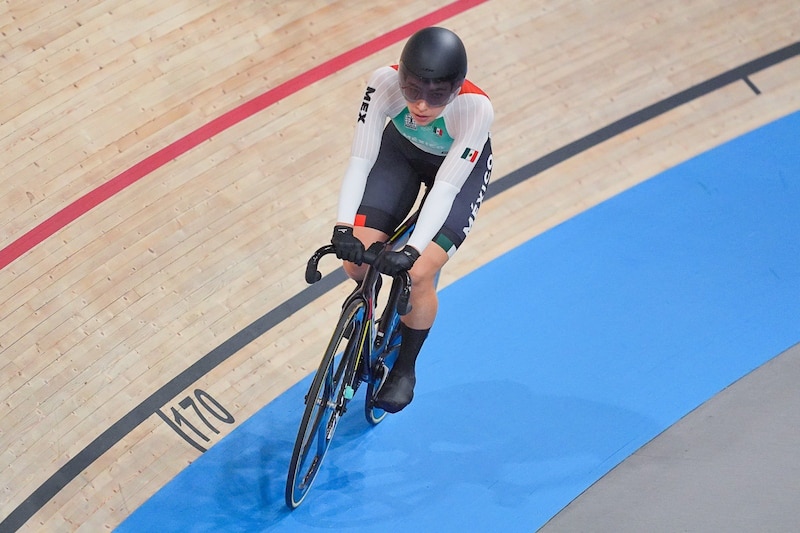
381,373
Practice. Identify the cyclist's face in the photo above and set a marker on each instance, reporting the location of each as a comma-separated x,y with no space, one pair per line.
423,113
425,98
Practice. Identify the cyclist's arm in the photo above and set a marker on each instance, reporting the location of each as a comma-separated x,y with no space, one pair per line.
381,98
353,185
468,121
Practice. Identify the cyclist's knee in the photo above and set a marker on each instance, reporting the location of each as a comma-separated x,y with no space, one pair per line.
369,235
422,283
354,271
425,269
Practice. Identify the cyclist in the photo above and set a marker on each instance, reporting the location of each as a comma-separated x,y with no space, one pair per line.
438,135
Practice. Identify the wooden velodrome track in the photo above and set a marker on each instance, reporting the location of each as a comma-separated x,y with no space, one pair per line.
167,167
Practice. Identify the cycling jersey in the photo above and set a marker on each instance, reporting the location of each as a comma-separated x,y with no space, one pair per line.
446,154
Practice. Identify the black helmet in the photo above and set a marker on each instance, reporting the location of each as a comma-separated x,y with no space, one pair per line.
433,66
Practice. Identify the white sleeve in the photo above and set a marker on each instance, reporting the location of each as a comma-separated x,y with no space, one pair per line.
433,215
380,101
352,191
468,119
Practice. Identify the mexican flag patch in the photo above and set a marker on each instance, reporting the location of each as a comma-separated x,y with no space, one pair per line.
470,155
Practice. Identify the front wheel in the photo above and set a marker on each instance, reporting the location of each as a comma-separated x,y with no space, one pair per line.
324,403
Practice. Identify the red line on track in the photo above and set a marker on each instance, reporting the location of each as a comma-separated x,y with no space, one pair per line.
105,191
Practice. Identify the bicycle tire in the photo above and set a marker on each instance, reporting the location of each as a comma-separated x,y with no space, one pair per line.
321,412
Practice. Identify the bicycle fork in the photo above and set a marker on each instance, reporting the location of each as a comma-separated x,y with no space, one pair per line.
352,376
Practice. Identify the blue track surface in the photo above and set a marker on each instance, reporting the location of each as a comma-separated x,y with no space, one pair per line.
547,367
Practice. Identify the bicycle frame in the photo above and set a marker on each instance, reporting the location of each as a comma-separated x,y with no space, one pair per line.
365,357
373,347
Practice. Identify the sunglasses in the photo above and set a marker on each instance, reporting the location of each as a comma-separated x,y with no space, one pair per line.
435,93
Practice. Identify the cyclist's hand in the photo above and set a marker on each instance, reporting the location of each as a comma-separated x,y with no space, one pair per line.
393,263
347,246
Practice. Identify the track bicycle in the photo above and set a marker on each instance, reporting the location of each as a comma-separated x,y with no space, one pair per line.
361,350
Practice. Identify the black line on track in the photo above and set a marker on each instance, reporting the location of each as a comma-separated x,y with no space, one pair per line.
752,85
150,406
639,117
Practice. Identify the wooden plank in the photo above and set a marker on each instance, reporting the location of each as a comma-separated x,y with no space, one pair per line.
104,313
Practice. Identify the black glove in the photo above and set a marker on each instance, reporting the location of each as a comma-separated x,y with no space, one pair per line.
393,263
347,246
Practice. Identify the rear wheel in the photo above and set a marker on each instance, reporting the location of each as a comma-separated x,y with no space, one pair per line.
325,403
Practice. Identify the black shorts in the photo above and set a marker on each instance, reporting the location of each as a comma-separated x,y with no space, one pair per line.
394,183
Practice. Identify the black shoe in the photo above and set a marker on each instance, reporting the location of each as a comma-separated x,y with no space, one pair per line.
396,393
